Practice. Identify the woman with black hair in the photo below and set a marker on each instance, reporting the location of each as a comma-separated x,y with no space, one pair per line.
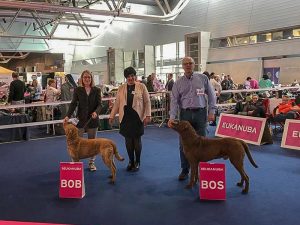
134,108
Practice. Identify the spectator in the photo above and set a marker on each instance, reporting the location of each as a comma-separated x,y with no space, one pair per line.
157,85
254,107
265,82
225,83
207,74
144,81
37,90
52,94
170,82
295,83
67,90
231,83
149,85
215,82
254,84
247,84
16,92
287,109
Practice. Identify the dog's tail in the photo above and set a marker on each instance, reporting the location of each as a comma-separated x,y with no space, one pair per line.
116,153
246,148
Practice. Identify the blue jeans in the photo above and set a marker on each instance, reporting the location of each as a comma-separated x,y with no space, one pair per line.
198,119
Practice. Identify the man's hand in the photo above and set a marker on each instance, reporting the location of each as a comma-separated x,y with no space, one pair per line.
170,123
211,117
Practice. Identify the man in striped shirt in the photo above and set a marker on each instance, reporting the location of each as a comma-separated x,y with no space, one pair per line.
193,96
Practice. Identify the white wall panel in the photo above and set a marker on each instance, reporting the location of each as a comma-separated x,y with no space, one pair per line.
239,71
276,48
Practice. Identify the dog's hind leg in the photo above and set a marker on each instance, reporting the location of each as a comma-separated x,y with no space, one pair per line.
244,177
108,161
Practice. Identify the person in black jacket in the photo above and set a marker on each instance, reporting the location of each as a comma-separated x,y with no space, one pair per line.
16,92
87,99
170,82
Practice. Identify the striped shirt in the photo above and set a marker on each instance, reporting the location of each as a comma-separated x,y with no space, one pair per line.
191,93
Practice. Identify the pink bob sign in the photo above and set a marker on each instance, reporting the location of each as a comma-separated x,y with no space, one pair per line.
247,128
71,180
291,135
2,222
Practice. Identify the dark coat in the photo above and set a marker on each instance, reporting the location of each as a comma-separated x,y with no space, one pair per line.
87,104
169,85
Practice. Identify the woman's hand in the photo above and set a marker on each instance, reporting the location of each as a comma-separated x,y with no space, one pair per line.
66,119
110,121
147,120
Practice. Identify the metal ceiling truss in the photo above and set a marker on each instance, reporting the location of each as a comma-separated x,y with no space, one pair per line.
5,57
42,18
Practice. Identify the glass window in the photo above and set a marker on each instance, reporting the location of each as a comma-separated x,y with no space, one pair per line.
277,35
264,37
157,55
296,33
215,43
253,39
242,40
181,50
169,51
157,52
288,34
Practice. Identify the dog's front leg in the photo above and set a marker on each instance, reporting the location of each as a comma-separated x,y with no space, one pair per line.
193,176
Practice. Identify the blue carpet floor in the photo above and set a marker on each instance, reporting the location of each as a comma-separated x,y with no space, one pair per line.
29,181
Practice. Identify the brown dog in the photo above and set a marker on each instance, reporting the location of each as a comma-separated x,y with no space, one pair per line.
200,149
81,148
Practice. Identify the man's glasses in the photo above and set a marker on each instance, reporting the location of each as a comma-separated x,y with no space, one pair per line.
188,63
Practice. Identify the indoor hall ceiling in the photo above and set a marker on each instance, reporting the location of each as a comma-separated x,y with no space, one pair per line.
37,21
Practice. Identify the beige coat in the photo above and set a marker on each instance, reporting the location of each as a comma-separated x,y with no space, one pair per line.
141,101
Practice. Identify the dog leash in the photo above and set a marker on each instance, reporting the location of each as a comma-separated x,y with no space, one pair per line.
87,122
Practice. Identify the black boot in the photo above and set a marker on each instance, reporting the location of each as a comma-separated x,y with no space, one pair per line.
136,166
130,166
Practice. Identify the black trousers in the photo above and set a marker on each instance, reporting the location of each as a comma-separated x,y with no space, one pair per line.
134,148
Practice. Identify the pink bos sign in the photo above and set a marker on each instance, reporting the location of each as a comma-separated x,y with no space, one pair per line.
212,181
291,135
71,180
247,128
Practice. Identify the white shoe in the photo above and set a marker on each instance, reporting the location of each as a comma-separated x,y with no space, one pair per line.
92,167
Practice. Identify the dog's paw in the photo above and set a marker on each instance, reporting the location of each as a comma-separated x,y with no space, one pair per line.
112,182
244,192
